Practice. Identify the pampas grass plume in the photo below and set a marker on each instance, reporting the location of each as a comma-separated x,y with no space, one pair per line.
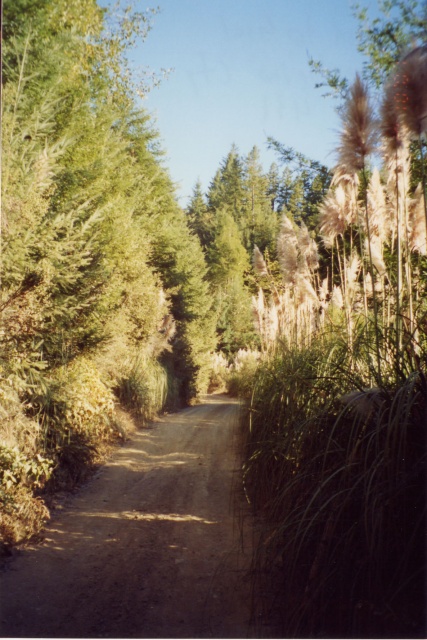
417,235
332,217
359,136
337,297
308,248
409,90
259,263
378,221
287,250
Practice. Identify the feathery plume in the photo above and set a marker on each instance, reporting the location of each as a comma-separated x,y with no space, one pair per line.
308,248
397,190
352,273
378,220
287,250
410,90
358,138
337,297
306,290
258,308
332,216
417,227
272,323
259,263
394,135
324,292
376,254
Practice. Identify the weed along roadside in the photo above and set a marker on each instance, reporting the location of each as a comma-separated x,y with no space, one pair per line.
149,547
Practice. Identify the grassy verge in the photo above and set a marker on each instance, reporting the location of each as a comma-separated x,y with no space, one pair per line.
338,472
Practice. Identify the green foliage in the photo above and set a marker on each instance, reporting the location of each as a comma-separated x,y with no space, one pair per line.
227,256
235,326
303,185
241,377
384,40
144,388
218,373
199,217
96,255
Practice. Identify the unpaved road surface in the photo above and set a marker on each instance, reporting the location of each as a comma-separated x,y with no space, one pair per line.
149,548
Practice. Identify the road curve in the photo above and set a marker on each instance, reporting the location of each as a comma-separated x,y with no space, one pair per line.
149,548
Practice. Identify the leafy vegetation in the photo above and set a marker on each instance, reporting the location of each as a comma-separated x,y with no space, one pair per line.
104,289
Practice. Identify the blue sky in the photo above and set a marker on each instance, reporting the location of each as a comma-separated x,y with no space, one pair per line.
240,74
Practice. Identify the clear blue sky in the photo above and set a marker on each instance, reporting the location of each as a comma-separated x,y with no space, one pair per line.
241,74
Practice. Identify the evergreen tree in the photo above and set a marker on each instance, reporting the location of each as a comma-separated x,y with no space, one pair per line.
273,185
261,221
227,256
227,188
88,207
200,216
235,326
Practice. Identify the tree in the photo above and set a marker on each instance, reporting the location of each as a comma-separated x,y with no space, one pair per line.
261,223
227,257
200,217
227,187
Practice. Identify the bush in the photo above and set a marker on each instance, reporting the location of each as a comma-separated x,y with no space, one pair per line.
23,470
145,388
218,373
76,412
22,515
242,373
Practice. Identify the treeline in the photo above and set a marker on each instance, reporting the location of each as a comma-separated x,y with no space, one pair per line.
104,289
240,211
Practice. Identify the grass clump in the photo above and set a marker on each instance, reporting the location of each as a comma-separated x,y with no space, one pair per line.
145,388
335,425
341,484
242,371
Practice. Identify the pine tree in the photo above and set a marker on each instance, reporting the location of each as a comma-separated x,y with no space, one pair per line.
200,217
227,257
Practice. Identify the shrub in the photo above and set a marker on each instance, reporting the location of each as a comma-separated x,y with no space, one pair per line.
144,388
76,412
22,514
219,372
242,373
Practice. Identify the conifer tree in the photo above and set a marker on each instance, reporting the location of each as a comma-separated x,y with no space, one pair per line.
200,217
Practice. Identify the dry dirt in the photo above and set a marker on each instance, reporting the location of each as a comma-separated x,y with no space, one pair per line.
149,548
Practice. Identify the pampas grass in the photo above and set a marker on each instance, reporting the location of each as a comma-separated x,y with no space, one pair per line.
259,264
335,454
417,229
410,91
287,250
359,131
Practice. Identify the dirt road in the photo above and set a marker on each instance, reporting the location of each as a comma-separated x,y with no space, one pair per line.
149,548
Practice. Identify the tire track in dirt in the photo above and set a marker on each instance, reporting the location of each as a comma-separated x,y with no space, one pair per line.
149,548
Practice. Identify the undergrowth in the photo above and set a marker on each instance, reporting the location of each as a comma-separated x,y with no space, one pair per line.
54,433
337,471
